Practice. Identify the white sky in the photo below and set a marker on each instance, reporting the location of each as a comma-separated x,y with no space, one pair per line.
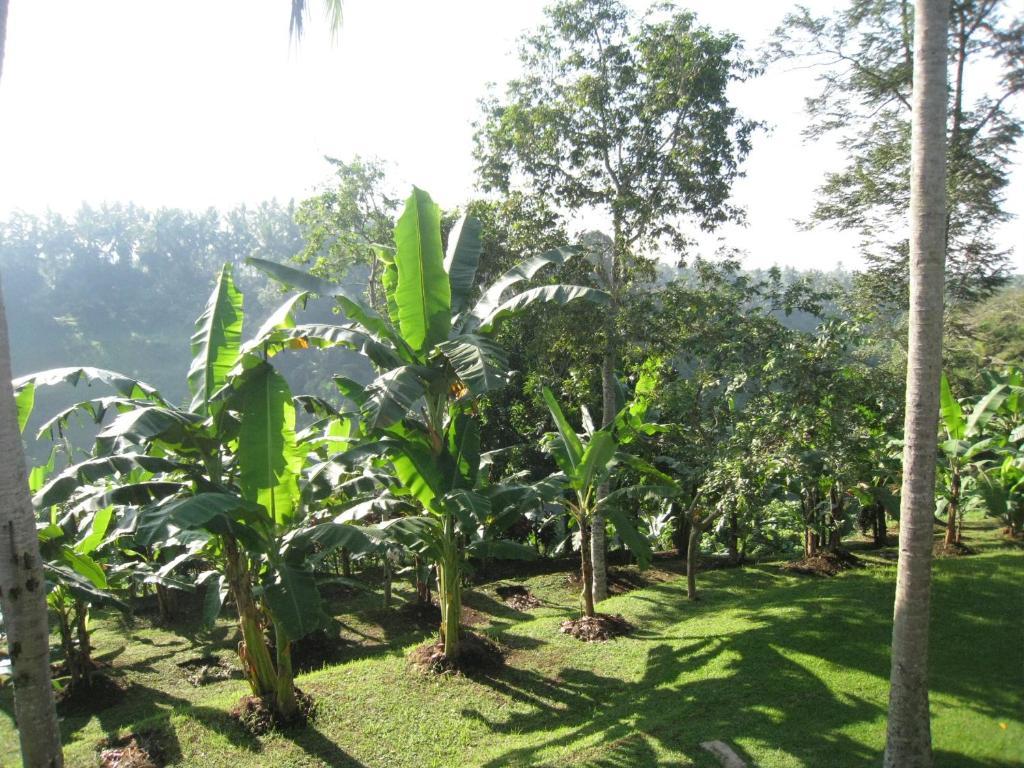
195,103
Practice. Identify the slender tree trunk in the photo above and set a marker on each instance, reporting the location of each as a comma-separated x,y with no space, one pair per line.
952,534
598,543
84,646
387,580
22,587
733,538
880,530
586,571
692,557
908,737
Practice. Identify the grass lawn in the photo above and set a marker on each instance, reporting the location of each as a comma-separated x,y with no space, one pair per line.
790,670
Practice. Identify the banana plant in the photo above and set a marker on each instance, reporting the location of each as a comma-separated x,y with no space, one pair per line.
963,450
586,463
435,356
1000,480
226,467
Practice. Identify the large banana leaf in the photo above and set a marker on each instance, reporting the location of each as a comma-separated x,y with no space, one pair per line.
418,472
215,343
221,514
296,278
462,260
481,364
461,462
422,295
25,386
523,271
293,601
597,455
320,540
269,460
392,395
952,413
986,408
61,487
148,423
555,294
627,531
570,453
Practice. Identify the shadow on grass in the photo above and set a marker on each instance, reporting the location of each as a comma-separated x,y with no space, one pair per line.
315,744
765,681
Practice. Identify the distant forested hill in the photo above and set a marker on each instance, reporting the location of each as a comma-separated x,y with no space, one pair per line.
120,287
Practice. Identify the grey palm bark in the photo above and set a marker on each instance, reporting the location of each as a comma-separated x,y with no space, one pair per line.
22,589
908,737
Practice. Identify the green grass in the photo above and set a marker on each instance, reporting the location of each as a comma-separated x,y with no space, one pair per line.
792,671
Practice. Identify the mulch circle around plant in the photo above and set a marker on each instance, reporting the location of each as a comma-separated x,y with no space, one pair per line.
145,749
477,654
824,563
518,597
257,715
100,692
425,615
956,549
204,670
596,629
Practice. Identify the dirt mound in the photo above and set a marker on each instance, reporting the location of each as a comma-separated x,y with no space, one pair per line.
257,715
825,563
476,654
518,597
97,693
956,549
146,749
596,629
204,670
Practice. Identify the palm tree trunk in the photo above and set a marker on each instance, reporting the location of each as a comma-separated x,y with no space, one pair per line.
908,737
22,588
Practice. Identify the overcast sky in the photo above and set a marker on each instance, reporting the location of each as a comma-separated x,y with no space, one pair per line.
195,103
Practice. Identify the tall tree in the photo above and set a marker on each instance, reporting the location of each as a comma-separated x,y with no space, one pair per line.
22,584
628,117
866,57
908,740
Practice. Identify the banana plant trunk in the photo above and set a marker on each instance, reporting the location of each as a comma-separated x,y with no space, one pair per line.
586,571
284,691
252,650
449,585
908,735
22,585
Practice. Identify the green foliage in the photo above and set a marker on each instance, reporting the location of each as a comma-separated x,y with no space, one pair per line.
866,57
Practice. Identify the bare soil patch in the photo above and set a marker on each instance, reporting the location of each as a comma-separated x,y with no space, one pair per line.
476,654
99,692
204,670
257,715
517,597
824,563
596,629
146,749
